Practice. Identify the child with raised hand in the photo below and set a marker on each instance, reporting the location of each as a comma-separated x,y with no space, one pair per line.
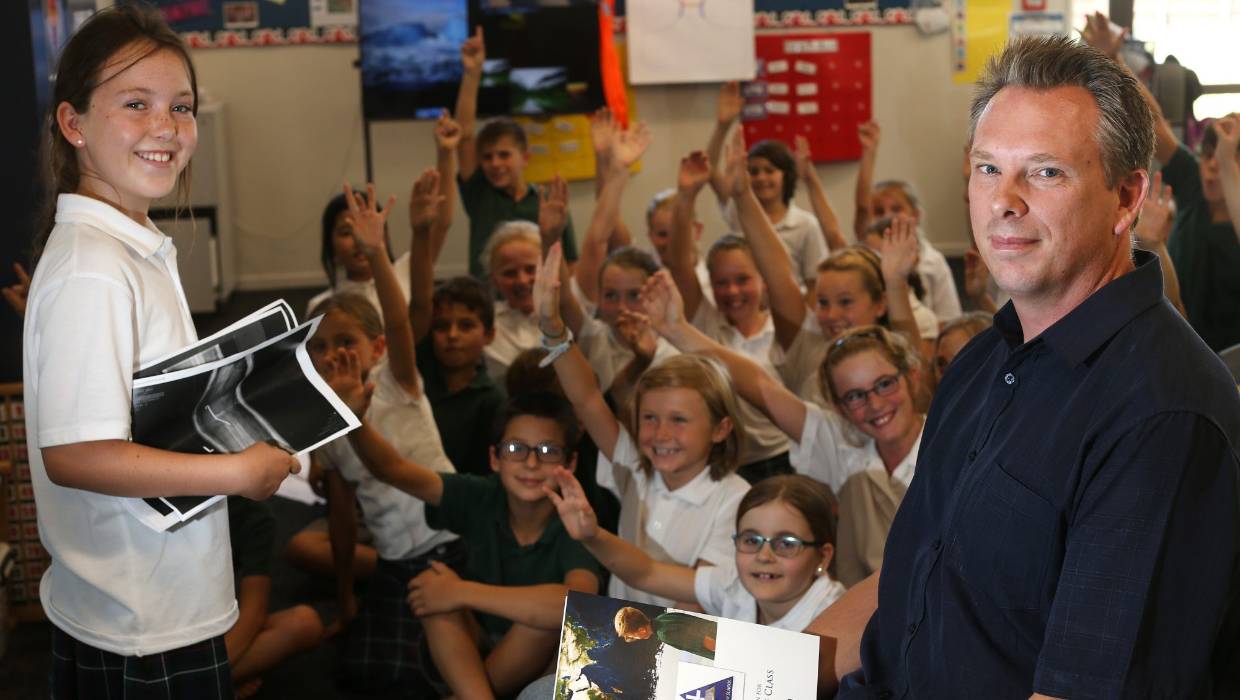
890,199
832,234
132,609
674,471
492,633
784,541
737,317
773,175
492,166
380,642
864,447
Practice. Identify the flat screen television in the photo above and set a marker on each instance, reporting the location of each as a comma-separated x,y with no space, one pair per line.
542,56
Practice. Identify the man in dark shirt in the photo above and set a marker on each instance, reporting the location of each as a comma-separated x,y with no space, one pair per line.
1072,527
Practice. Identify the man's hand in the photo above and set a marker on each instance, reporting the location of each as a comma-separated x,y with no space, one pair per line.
1102,35
368,221
1157,215
434,590
474,53
447,132
730,103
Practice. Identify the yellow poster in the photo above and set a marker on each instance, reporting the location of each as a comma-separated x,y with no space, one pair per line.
979,30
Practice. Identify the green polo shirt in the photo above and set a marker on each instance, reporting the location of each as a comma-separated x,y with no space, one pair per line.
476,508
686,632
466,417
488,207
1206,257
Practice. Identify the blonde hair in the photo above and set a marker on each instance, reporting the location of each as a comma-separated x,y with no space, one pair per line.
862,260
709,379
356,307
629,620
506,232
893,347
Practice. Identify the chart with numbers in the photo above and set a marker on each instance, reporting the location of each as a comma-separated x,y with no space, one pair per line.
19,525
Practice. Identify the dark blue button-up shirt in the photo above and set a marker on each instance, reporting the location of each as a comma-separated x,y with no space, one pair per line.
1072,526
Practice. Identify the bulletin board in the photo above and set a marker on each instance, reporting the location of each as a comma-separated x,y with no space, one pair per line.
243,23
19,524
818,85
781,14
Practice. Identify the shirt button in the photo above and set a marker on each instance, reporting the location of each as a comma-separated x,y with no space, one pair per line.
972,455
1009,378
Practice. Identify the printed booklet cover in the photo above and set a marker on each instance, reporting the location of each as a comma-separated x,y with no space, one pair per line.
251,382
617,650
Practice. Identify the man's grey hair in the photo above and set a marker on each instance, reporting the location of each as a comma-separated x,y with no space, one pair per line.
1125,130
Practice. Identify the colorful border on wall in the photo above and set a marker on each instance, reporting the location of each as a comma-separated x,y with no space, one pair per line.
205,24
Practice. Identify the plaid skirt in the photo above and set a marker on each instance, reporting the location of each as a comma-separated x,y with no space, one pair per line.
197,671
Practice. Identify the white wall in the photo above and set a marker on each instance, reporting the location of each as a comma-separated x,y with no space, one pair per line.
295,135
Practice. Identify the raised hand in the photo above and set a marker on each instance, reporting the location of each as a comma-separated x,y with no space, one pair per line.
730,102
637,334
474,52
629,145
424,200
343,373
447,132
976,275
603,128
694,172
15,294
1102,35
1157,215
870,136
552,210
367,219
805,164
578,517
899,248
1228,130
661,301
434,590
737,168
547,293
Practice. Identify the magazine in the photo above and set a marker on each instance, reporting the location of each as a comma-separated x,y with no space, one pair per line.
251,382
618,650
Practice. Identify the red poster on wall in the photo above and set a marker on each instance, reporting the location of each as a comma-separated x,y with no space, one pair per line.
814,84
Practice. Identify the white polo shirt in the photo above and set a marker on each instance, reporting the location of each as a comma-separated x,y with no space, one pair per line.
365,288
396,519
515,332
763,439
936,275
720,593
694,522
798,231
607,355
106,298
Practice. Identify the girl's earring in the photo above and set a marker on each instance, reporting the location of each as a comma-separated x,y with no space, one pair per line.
820,571
80,142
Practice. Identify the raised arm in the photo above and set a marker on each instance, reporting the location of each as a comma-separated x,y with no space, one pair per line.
827,220
552,218
447,140
870,135
730,104
899,259
473,55
370,232
1152,231
788,307
666,312
572,369
632,565
1228,129
695,170
424,207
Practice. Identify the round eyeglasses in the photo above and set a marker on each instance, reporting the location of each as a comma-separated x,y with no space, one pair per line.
885,386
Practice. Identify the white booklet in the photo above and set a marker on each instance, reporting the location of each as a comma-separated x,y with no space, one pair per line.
669,654
251,382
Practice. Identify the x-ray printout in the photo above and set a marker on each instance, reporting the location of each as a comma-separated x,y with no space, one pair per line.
690,41
269,392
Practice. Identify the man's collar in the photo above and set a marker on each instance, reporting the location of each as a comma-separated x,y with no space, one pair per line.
76,208
1094,321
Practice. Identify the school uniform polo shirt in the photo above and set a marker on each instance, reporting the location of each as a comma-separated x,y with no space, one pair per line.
798,231
1071,529
720,593
515,332
489,206
465,417
476,508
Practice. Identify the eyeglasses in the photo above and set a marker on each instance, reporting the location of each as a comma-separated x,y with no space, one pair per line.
517,451
787,546
885,386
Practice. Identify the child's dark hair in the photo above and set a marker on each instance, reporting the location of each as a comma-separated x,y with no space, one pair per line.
335,207
778,154
77,76
809,497
630,258
497,129
541,404
525,375
471,294
356,307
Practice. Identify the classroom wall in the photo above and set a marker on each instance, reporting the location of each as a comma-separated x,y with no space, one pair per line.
295,135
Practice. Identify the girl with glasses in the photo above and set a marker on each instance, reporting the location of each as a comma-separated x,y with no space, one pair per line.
777,575
863,446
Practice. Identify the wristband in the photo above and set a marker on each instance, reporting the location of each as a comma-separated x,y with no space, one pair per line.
554,351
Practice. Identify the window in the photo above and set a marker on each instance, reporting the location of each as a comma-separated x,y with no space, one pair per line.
1201,34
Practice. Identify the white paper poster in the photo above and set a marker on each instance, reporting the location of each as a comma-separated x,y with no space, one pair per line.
690,41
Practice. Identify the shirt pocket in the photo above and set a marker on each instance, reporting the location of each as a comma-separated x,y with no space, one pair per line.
1005,542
